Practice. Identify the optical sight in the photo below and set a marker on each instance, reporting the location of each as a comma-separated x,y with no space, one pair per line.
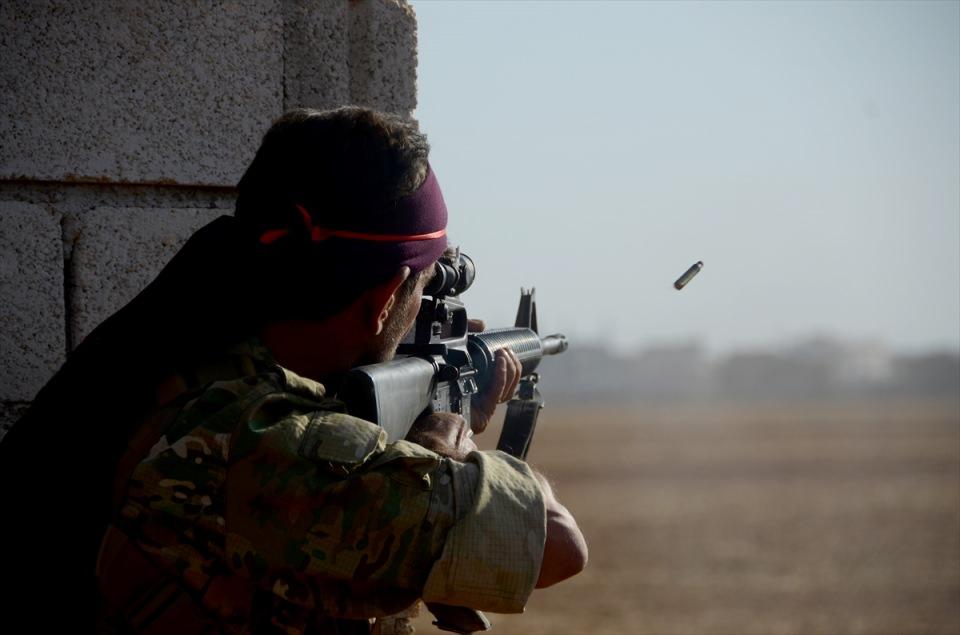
452,275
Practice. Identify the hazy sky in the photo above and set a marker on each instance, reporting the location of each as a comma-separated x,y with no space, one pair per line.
808,153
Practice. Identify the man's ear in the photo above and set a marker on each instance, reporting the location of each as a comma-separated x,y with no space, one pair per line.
383,300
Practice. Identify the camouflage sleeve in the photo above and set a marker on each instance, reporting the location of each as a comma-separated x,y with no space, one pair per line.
324,513
315,511
493,553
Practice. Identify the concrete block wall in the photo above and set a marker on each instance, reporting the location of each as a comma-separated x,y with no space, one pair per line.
33,338
124,126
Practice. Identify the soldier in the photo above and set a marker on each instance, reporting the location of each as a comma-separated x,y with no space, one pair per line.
198,474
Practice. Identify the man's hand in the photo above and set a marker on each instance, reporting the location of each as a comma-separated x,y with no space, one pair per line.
448,434
502,386
445,433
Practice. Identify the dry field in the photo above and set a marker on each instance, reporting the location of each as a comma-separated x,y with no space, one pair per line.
759,520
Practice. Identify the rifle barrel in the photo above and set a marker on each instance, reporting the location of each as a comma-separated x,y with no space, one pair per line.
554,344
528,346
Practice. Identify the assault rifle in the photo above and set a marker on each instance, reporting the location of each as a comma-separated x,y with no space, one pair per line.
440,365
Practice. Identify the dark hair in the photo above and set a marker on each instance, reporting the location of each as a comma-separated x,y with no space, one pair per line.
343,163
345,166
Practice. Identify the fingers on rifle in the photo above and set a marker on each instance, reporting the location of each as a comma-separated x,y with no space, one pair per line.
501,379
511,374
476,326
517,372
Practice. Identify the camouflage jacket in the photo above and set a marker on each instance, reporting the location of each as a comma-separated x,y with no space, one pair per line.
274,509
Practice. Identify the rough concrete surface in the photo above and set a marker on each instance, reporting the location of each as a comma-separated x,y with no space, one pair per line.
114,113
117,252
316,45
361,53
32,337
9,413
149,91
383,56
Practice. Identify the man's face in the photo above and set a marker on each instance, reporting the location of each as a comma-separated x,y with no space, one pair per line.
400,320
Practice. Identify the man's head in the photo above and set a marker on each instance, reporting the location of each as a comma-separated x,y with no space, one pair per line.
340,164
347,216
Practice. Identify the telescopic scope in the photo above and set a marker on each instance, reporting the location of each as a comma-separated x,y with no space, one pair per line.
452,275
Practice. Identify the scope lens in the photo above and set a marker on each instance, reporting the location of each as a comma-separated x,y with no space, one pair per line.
467,271
451,276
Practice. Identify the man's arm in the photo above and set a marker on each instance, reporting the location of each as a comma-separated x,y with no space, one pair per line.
565,550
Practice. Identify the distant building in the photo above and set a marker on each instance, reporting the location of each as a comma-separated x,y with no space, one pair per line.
815,369
933,374
765,375
671,371
849,362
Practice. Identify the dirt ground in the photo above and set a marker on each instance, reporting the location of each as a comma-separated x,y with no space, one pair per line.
754,520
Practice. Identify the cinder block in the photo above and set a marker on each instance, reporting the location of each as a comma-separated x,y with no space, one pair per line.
316,53
32,332
383,56
9,413
171,91
117,252
339,53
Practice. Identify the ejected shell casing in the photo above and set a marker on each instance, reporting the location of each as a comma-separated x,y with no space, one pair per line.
688,275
